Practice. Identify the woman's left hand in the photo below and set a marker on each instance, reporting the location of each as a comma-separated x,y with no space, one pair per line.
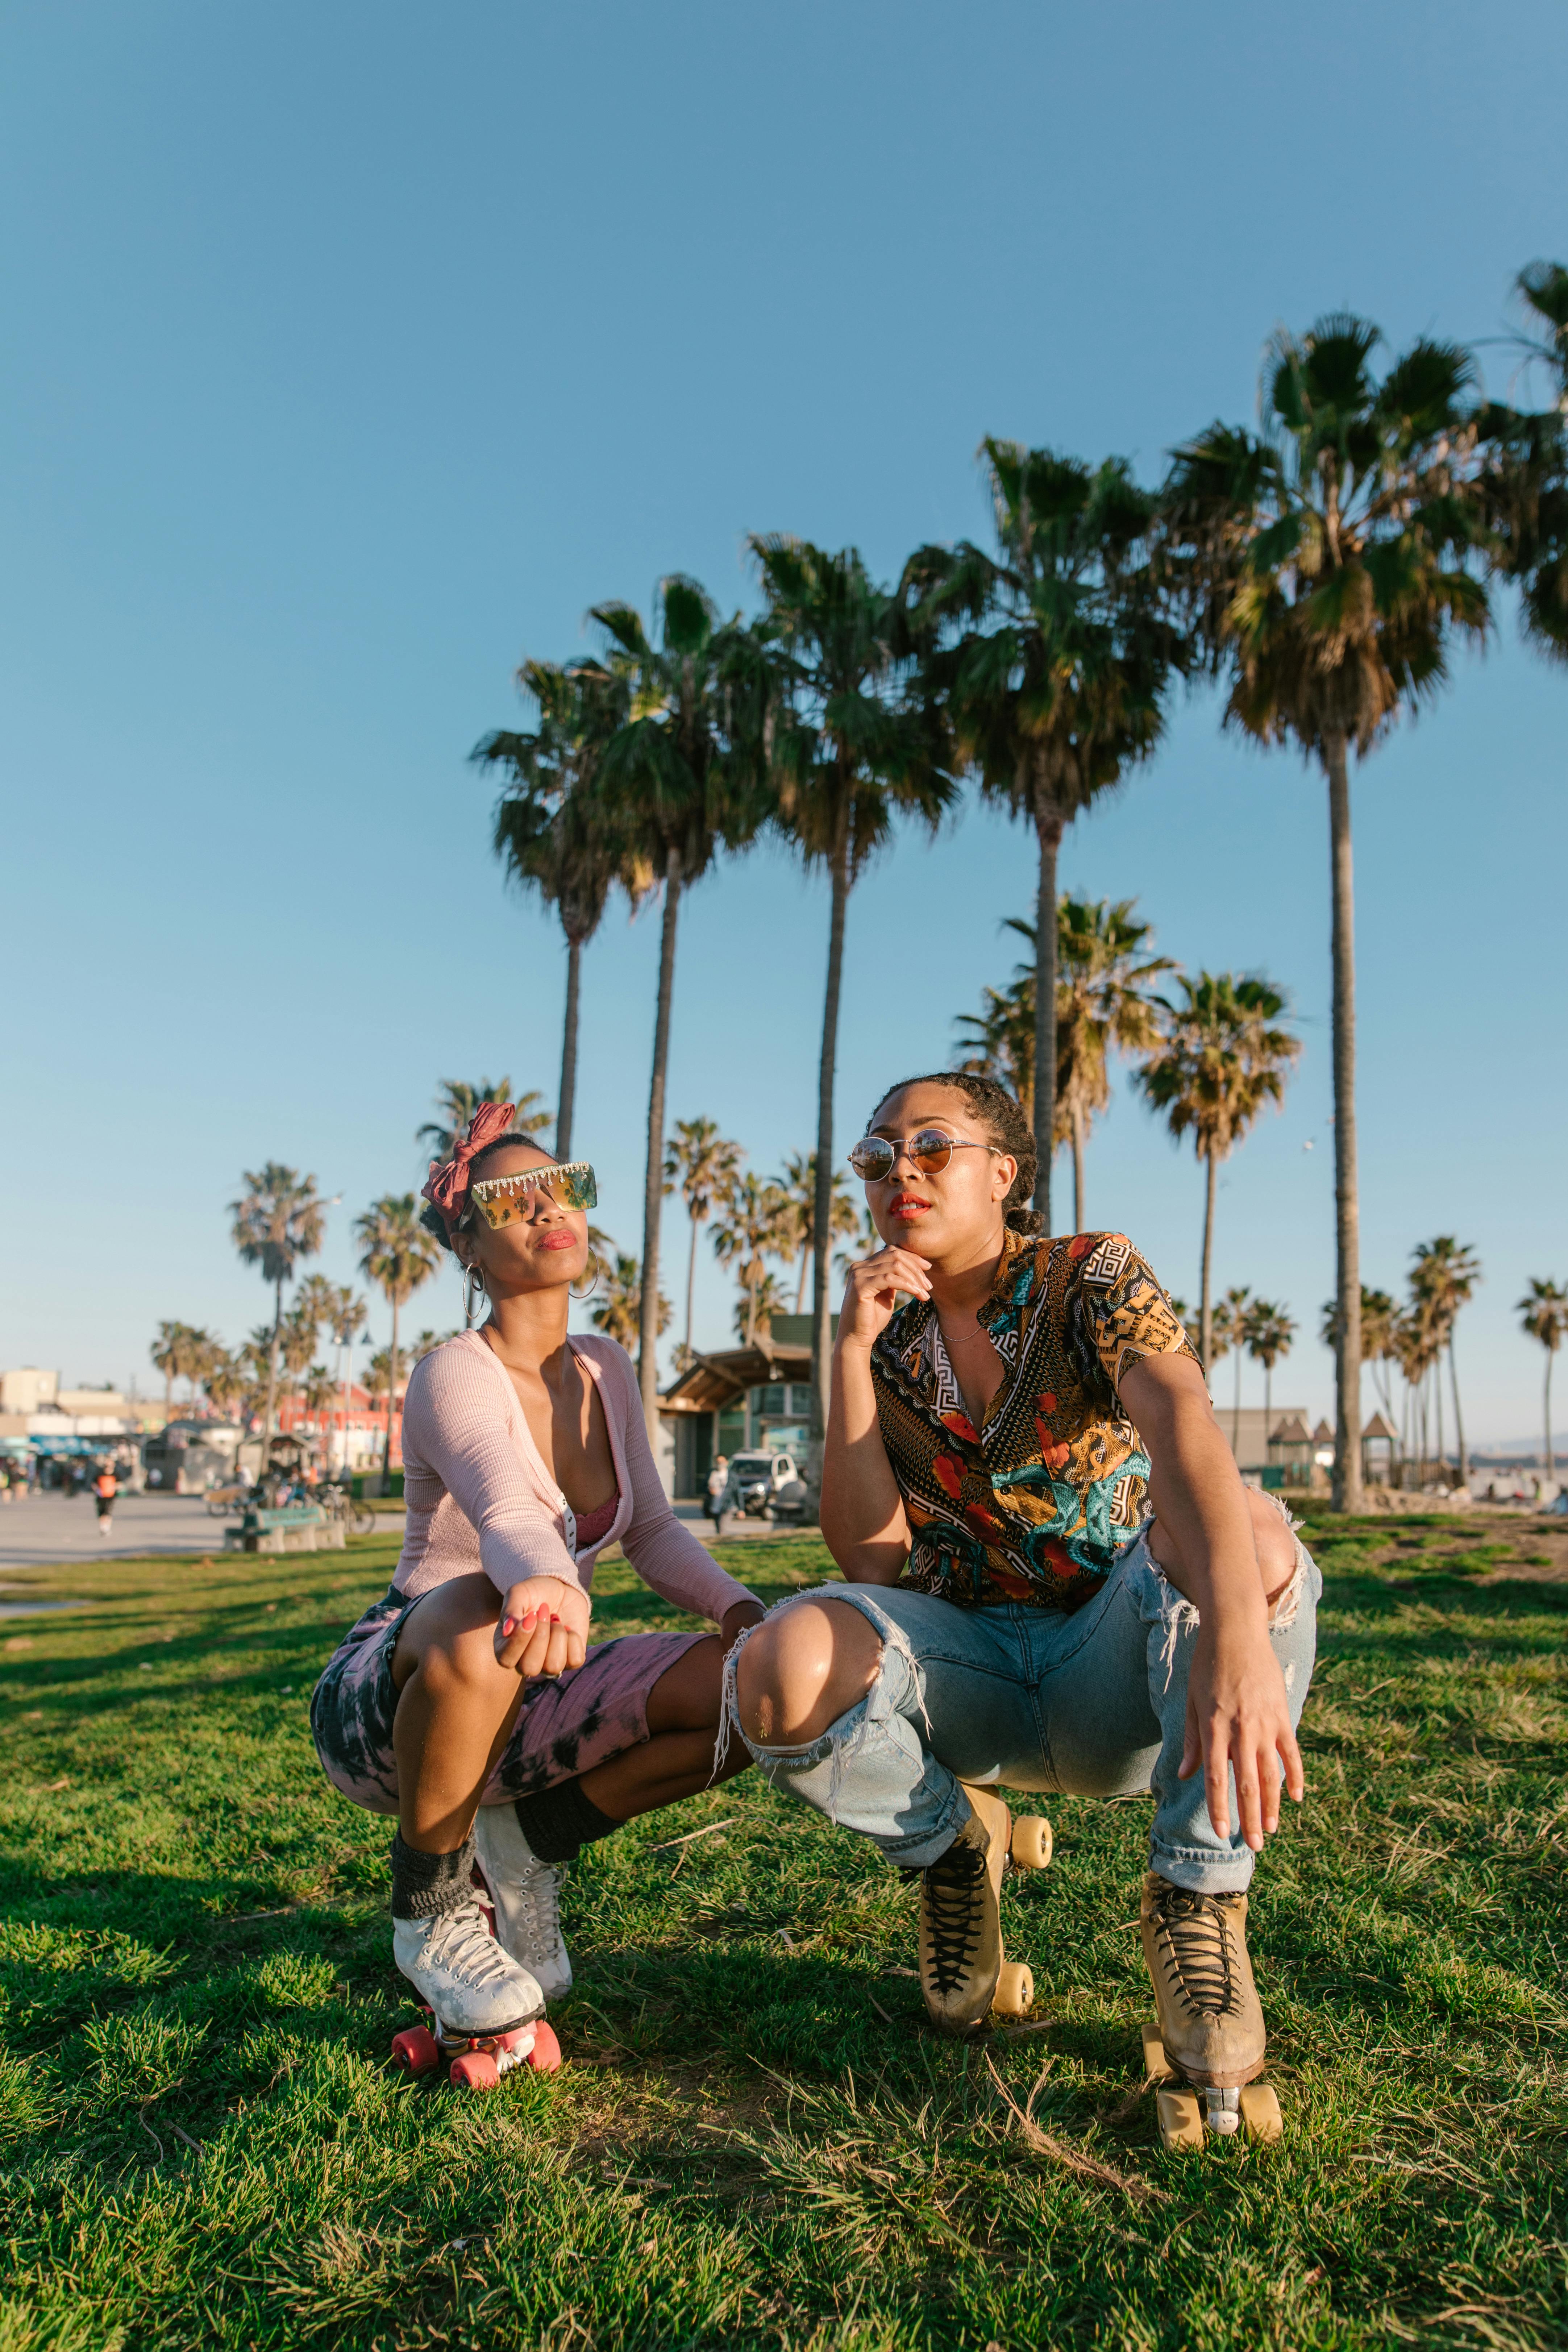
1239,1716
734,1622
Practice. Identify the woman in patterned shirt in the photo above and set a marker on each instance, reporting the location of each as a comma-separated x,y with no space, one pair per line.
1056,1580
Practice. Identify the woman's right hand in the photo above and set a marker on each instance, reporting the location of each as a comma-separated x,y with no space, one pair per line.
871,1293
543,1628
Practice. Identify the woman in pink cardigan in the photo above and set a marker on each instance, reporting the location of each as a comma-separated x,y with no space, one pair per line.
469,1701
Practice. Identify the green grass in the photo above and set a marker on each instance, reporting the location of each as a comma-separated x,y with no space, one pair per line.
754,2141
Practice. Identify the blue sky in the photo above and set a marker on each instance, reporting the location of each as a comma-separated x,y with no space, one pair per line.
352,353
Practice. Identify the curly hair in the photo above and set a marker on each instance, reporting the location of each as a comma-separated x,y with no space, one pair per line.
1001,1115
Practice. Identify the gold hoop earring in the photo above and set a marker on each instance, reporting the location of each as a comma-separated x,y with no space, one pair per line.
593,1280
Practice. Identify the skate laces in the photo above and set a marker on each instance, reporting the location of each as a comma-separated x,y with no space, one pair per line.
1193,1937
539,1889
460,1942
953,1914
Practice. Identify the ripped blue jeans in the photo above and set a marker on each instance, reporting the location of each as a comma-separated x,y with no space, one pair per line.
1090,1705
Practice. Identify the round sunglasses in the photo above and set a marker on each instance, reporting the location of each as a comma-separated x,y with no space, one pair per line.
876,1156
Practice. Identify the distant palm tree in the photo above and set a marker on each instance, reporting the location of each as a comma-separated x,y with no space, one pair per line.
318,1396
1444,1276
277,1221
1330,562
681,779
456,1100
865,1241
617,1309
225,1385
1000,1043
1052,660
398,1255
1230,1327
754,1310
753,1224
424,1345
343,1312
849,751
167,1356
799,1222
1544,1311
701,1164
1219,1061
296,1340
1268,1331
556,831
1379,1337
1526,472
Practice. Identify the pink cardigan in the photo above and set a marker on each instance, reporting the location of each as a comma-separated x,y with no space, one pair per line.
481,1496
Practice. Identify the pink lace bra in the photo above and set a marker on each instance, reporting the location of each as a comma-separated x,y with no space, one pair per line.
592,1527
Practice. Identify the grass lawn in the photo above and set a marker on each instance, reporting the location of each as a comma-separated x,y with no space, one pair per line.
754,2142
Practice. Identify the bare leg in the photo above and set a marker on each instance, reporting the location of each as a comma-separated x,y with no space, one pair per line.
676,1760
1273,1543
805,1668
456,1709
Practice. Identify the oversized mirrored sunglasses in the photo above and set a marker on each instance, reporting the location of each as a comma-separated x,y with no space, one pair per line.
503,1200
876,1156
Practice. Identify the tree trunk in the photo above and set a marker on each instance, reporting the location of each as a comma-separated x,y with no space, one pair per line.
1048,827
1347,1493
569,1054
822,1204
807,1255
272,1370
653,1188
1437,1393
1267,1405
1236,1406
691,1276
1077,1222
1459,1416
1548,1412
1206,1319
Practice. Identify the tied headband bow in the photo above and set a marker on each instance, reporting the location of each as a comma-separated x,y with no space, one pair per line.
447,1186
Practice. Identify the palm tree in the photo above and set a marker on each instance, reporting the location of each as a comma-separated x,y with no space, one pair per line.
343,1312
1526,473
1544,1311
1052,660
864,1241
1379,1337
848,753
617,1309
1230,1327
1443,1278
799,1186
456,1100
753,1224
317,1396
1103,1000
1330,563
167,1356
398,1255
426,1343
1268,1331
681,778
225,1384
702,1164
754,1310
1218,1063
277,1221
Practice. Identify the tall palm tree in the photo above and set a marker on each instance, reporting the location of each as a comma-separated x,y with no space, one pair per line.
756,1310
1103,1000
753,1224
1379,1337
398,1255
681,778
616,1310
344,1312
1052,658
318,1396
849,751
799,1186
277,1220
554,829
701,1164
1443,1278
167,1356
1544,1311
1230,1323
1219,1061
1526,472
1330,561
1268,1331
456,1100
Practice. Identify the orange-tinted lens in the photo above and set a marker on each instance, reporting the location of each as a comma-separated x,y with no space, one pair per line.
930,1151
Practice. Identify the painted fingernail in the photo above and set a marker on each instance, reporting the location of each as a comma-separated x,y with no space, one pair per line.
506,1625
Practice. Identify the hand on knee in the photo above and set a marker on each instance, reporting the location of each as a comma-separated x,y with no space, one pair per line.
803,1669
464,1661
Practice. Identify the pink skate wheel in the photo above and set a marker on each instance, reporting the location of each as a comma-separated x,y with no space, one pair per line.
416,2051
545,2055
475,2070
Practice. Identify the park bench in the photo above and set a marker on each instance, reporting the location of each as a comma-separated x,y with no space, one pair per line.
299,1527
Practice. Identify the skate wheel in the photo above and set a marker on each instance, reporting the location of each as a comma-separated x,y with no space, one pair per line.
545,2055
1157,2067
1260,2117
1031,1842
1181,2118
417,2051
475,2070
1015,1993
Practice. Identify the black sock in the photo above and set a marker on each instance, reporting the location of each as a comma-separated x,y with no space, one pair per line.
558,1822
425,1885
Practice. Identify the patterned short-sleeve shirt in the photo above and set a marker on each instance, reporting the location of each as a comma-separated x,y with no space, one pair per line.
1038,1504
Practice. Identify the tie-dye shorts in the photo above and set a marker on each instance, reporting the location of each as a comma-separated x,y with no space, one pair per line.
567,1723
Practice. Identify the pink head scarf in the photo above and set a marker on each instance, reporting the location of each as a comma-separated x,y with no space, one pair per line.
447,1186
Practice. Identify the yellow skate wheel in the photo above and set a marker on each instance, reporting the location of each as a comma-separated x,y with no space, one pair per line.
1260,2117
1181,2118
1155,2066
1031,1841
1015,1993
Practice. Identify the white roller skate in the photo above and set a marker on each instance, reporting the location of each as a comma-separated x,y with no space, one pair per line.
526,1894
486,2013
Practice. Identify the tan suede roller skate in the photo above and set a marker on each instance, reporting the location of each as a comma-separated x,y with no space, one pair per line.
964,1973
1210,2036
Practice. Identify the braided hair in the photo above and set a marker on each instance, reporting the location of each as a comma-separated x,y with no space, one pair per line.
1001,1117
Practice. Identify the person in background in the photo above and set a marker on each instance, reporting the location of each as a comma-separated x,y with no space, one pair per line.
718,1488
105,1486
